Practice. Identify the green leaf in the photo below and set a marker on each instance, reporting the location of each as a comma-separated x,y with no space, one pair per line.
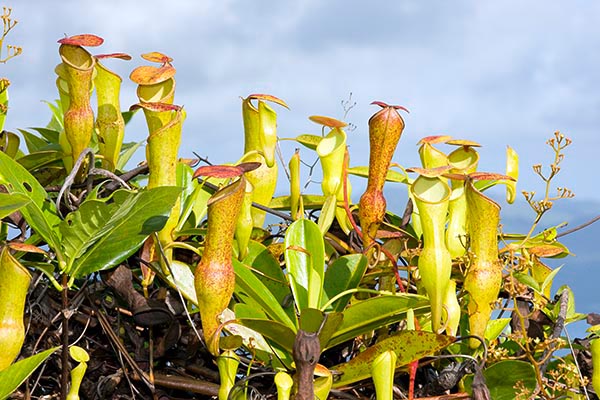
33,142
50,135
495,327
12,377
127,115
527,280
327,214
128,151
309,201
326,324
502,377
345,273
100,235
41,158
182,278
377,312
9,203
305,261
56,122
274,330
547,284
250,289
392,176
408,346
267,269
40,212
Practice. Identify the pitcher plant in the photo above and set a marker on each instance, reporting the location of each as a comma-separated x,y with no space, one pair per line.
431,195
156,88
260,140
77,71
14,283
331,151
214,276
484,274
463,161
110,125
385,130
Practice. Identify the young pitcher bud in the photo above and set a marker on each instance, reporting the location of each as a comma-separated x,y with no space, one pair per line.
385,130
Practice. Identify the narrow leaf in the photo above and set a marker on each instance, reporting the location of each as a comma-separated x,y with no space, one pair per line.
12,377
305,260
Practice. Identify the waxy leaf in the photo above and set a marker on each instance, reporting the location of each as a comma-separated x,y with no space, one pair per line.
251,290
375,313
12,377
345,273
9,203
305,260
407,345
502,378
276,331
40,212
99,235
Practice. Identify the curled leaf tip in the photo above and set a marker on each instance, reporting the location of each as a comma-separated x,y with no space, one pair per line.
120,56
384,105
327,121
267,97
87,40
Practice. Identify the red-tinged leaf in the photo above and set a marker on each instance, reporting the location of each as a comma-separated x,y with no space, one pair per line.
249,166
408,346
268,97
120,56
384,105
430,172
489,176
327,121
157,57
435,139
548,250
87,40
27,248
219,171
149,75
456,177
157,107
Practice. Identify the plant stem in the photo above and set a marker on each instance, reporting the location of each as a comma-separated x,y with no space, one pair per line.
64,377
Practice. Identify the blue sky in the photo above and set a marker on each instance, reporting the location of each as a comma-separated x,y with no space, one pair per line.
502,73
